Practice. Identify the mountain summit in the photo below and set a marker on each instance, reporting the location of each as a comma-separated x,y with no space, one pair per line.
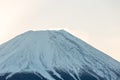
55,55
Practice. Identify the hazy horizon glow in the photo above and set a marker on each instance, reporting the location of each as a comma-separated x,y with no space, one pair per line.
95,21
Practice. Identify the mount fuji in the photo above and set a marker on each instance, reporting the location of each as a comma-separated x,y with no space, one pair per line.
54,55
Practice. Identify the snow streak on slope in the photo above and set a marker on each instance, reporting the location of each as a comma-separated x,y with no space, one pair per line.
42,52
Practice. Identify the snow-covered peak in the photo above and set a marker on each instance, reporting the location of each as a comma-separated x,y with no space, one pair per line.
51,50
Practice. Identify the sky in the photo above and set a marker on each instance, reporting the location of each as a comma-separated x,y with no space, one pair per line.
95,21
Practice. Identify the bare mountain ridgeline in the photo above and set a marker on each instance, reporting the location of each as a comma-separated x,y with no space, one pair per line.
54,55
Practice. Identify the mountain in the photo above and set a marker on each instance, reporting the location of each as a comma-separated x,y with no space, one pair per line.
54,55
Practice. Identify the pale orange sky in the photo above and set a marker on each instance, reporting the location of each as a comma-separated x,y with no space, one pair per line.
95,21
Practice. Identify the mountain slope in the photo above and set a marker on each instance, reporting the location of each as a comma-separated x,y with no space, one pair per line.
52,53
